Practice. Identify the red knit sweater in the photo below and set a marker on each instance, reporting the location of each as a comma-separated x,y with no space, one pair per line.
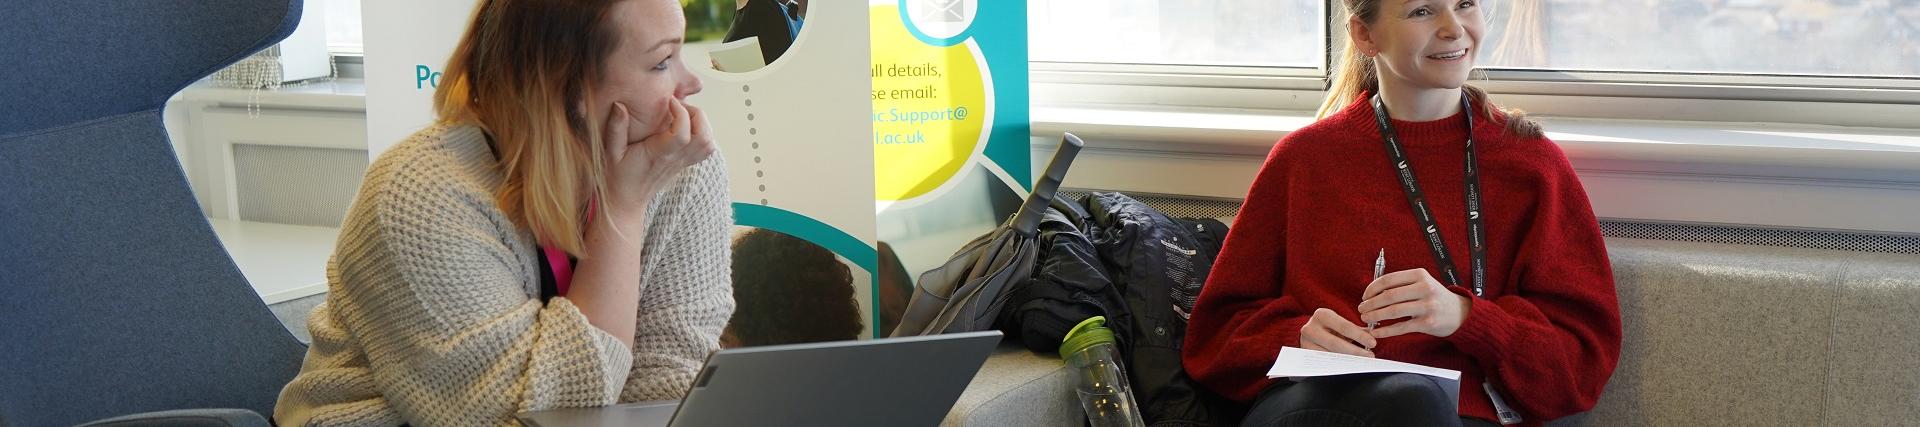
1547,334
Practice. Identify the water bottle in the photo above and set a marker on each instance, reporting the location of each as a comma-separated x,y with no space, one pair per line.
1099,378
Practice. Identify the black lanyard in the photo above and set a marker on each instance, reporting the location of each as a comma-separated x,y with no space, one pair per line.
1418,200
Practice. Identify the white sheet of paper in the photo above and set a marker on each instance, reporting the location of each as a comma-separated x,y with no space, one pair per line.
738,56
1300,363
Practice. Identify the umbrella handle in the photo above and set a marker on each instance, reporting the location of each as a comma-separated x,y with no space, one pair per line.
1028,219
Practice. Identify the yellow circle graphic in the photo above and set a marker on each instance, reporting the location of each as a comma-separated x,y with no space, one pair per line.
928,106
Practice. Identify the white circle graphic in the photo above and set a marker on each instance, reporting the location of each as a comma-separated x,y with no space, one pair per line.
942,19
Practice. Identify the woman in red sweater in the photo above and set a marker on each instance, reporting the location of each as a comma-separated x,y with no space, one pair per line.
1495,264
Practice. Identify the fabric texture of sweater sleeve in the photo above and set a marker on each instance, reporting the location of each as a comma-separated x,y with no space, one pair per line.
1241,318
429,320
687,287
1554,344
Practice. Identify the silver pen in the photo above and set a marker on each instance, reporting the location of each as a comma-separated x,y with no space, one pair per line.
1379,267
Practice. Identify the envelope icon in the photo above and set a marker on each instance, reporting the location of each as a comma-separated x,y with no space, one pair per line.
945,10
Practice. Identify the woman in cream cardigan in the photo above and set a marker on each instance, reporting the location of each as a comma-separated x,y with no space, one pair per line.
557,239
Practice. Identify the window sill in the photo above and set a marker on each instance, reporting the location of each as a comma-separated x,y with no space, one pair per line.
1729,149
283,262
322,94
1789,176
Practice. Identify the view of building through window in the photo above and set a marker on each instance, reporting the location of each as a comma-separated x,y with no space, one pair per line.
343,24
1798,37
1802,37
1285,33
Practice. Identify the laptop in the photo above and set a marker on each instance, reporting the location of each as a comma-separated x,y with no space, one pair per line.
909,381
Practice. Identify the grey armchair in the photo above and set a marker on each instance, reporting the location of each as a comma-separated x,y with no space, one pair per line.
116,299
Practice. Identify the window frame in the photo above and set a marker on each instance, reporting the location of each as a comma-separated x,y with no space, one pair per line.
1838,100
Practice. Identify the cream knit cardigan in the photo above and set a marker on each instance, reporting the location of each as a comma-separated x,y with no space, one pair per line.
433,315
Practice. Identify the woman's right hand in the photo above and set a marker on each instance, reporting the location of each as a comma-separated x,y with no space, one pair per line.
642,167
1327,331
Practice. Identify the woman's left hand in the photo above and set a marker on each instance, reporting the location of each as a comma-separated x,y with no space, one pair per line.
1427,306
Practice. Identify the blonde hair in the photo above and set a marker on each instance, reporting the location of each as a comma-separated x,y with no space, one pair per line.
522,73
1358,75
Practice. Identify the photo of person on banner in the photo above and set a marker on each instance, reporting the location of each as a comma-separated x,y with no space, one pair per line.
760,33
557,238
775,22
789,291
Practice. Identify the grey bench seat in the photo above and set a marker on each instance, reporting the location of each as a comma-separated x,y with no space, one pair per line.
1715,335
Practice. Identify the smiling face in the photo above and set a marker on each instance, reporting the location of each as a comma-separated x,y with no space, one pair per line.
1421,44
645,71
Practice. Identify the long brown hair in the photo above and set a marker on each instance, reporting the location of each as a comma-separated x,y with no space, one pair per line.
522,73
1357,75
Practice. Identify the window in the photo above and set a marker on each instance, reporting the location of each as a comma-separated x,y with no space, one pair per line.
1693,111
1867,38
1863,38
343,25
1823,62
1266,33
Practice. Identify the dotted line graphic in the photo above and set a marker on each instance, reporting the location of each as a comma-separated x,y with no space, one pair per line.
759,174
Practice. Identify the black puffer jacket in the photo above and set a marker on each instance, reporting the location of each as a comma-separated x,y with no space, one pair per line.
1159,266
1113,256
1069,285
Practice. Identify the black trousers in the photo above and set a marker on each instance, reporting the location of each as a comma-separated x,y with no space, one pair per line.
1378,400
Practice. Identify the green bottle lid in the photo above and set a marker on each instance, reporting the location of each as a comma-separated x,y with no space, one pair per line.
1086,334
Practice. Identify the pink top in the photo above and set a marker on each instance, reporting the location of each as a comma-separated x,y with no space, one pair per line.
562,268
557,259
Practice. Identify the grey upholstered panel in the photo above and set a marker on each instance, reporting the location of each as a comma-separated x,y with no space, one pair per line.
118,297
1018,388
1716,334
1875,378
70,61
1719,334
